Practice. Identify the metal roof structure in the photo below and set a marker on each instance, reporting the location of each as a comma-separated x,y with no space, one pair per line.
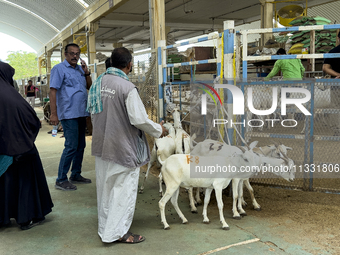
37,22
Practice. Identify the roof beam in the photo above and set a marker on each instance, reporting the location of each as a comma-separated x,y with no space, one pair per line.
92,14
119,23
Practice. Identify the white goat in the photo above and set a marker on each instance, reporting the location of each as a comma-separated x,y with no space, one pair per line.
215,148
176,173
274,151
183,146
177,118
163,147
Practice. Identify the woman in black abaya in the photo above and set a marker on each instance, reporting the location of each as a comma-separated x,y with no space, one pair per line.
24,194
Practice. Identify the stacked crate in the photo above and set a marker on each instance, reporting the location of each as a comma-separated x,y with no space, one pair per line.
174,58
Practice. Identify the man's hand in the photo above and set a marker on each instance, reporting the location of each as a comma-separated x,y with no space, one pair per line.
84,66
165,132
54,119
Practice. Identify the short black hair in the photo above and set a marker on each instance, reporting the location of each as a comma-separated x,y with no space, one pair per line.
108,63
281,51
29,81
71,45
120,57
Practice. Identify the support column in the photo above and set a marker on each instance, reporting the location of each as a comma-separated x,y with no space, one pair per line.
161,55
157,22
48,73
312,49
267,10
62,50
23,88
39,65
229,27
157,34
91,42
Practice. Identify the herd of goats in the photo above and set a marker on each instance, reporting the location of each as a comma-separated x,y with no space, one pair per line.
178,157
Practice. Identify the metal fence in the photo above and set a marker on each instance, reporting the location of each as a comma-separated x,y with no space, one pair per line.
314,140
144,76
321,133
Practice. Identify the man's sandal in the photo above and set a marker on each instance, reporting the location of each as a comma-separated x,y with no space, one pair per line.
136,238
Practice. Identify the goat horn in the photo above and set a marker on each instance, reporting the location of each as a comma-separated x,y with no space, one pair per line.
242,149
261,150
284,154
286,160
276,143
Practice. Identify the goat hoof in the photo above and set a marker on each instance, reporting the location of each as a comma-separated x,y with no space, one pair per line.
141,191
206,222
236,217
257,209
225,228
195,211
167,228
243,214
185,222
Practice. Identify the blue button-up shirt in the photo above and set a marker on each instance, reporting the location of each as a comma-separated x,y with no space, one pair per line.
70,84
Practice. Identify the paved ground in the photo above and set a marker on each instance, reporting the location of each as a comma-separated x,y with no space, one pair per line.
72,226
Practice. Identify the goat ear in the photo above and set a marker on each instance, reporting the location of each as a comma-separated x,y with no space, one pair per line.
253,144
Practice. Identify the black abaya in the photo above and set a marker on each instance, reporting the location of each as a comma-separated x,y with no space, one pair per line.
24,194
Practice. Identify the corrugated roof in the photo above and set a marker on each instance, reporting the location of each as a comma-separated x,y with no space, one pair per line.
36,22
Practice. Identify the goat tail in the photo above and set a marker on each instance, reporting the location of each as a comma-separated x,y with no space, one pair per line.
159,159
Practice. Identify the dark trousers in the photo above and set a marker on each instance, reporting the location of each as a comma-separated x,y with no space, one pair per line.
74,132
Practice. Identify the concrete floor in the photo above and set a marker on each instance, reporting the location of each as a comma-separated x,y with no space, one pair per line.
71,228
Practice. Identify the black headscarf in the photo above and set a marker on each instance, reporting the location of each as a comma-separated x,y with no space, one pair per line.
19,124
7,72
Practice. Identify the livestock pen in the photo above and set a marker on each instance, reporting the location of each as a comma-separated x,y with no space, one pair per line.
312,137
287,213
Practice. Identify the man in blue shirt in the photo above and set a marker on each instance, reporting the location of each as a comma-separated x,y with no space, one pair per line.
68,101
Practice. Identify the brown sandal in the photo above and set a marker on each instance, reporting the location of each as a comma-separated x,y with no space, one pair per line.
136,238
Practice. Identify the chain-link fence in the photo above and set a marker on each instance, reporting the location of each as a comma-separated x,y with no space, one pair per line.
143,75
312,141
271,128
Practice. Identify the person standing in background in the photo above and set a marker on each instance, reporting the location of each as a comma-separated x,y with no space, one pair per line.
68,100
24,194
30,93
292,69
